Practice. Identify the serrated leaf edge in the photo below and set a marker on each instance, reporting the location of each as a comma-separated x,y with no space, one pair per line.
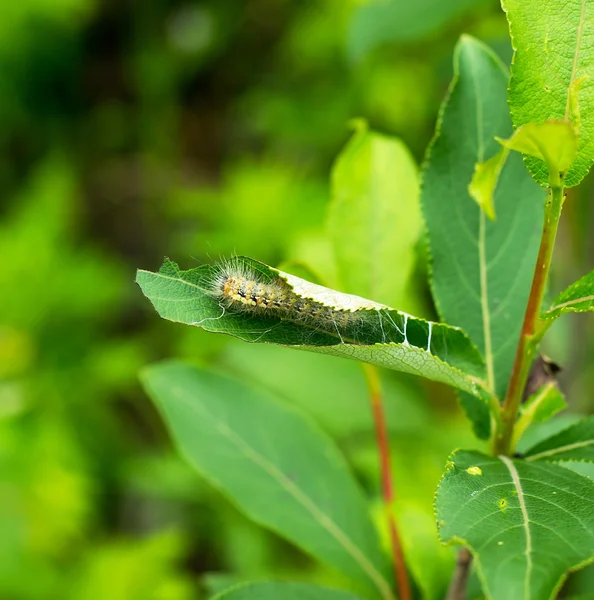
455,540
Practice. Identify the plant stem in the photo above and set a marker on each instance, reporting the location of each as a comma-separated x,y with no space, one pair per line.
457,589
381,430
526,345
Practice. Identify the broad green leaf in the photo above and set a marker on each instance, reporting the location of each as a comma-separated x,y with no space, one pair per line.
540,407
380,22
273,463
375,219
578,297
551,75
574,443
480,269
527,524
380,336
283,591
554,142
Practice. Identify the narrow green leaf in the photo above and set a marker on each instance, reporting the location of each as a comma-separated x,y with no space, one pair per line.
480,270
379,335
527,524
374,219
273,463
552,73
554,142
574,443
283,591
578,297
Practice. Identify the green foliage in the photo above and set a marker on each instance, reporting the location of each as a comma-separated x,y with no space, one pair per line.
527,524
574,443
552,74
554,143
385,337
275,464
374,216
286,591
139,570
376,23
202,130
539,408
578,297
480,270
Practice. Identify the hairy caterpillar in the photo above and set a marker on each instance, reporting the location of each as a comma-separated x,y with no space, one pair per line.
241,289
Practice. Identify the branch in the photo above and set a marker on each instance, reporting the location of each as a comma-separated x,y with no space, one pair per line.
457,589
375,395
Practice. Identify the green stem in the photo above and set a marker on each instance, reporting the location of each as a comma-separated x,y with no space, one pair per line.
502,443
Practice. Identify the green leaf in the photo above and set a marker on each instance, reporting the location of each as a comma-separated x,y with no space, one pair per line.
380,335
284,591
540,407
484,181
273,463
545,404
390,21
478,413
578,297
574,443
554,142
375,218
552,73
527,524
480,269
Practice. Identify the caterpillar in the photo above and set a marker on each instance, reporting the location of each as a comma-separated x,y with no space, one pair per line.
241,289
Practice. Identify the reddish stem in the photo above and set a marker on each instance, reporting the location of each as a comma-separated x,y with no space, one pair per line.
381,430
526,345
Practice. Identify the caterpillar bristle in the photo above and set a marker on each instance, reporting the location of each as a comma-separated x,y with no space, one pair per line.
242,290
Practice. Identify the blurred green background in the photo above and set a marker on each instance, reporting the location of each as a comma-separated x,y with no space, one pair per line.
131,130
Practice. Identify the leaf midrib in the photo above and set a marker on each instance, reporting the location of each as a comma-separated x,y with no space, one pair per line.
571,303
489,362
302,498
525,521
560,449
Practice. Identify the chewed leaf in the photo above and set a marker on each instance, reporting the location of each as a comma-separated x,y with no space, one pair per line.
527,524
574,443
257,303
